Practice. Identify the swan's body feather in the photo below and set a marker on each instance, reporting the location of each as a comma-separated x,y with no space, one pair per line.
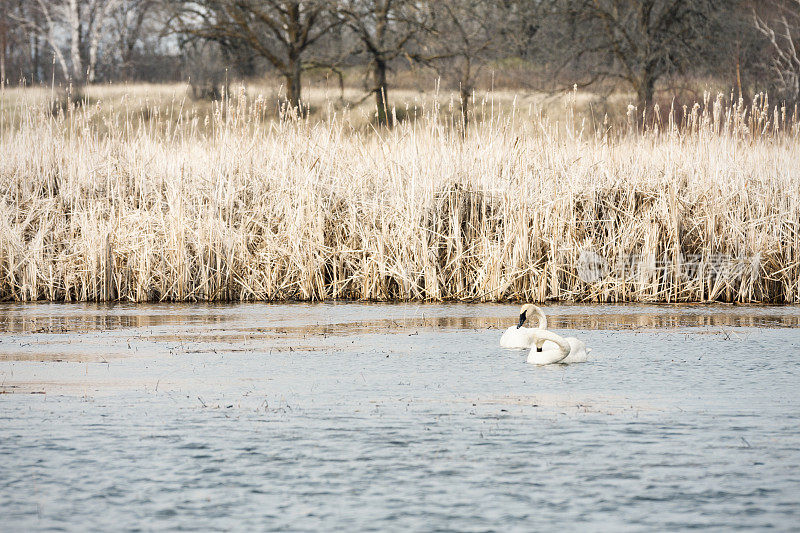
546,347
522,338
551,353
518,338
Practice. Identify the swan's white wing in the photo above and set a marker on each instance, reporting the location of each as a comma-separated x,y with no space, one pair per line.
578,352
549,355
517,338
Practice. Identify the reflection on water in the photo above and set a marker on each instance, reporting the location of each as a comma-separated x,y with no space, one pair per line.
367,318
395,417
97,332
66,318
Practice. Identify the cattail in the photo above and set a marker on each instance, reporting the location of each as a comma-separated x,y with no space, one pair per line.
136,200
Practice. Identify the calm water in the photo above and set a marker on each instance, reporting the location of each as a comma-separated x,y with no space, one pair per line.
396,417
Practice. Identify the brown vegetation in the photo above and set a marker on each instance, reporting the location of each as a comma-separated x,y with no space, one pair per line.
105,203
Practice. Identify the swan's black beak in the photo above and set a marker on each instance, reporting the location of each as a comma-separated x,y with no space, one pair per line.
538,348
521,319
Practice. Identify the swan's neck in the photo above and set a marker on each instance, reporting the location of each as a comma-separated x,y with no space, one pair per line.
542,319
564,347
526,310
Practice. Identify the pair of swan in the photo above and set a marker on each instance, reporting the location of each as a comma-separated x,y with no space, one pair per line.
546,347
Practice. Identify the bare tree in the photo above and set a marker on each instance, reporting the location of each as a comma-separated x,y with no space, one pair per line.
280,31
11,39
384,28
82,21
86,22
42,20
23,46
780,24
735,55
129,23
461,36
5,15
637,41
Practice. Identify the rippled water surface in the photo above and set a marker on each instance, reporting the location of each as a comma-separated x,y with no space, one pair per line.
396,417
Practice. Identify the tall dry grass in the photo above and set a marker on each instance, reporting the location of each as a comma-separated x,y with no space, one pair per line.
109,201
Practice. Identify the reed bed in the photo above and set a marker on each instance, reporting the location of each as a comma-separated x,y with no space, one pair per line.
101,203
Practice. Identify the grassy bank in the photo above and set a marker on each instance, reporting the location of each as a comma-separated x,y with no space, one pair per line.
170,201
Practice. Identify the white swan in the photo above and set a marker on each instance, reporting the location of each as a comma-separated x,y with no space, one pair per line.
519,337
549,348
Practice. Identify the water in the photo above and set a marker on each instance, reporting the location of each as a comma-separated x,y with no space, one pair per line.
396,417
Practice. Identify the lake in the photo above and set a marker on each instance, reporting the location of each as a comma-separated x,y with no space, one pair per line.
357,416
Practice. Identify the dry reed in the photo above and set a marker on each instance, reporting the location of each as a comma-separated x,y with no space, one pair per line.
102,202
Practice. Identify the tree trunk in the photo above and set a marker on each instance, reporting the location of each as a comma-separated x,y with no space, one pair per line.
92,68
3,47
645,90
466,91
37,75
381,94
50,38
95,34
75,43
127,60
3,42
466,100
293,82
